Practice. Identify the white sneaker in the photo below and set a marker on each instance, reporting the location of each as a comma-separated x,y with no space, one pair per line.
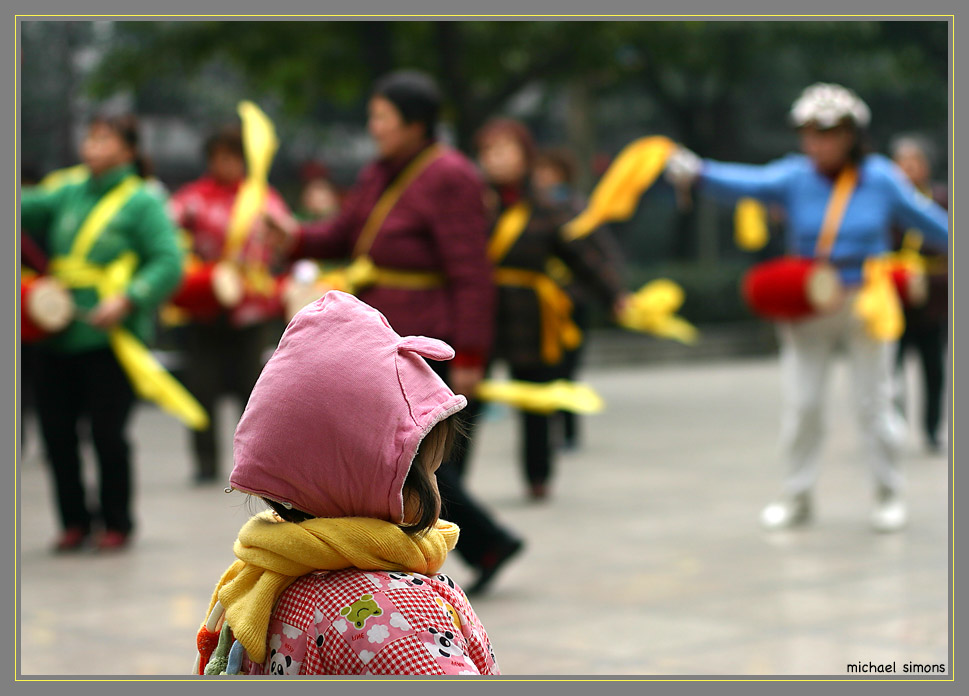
890,513
790,511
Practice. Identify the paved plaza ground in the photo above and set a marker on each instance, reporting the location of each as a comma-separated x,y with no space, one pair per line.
646,560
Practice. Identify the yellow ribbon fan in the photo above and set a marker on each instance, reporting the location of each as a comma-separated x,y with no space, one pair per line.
148,377
652,309
542,397
750,224
618,192
260,145
877,303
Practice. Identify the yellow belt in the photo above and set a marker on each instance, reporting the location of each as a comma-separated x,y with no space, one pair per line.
555,306
362,273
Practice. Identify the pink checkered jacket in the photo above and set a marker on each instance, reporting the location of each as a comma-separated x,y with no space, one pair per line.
355,622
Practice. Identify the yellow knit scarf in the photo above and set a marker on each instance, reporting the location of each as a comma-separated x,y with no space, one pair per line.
273,554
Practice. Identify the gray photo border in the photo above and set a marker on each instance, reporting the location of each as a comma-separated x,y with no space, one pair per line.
668,9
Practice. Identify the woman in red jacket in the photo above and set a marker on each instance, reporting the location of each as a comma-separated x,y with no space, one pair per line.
203,209
416,229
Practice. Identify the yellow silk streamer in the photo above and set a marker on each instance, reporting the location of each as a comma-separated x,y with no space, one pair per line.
616,195
652,309
555,306
877,303
148,377
260,145
907,259
542,397
750,224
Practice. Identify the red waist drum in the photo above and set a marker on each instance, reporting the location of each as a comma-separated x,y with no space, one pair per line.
791,287
46,307
209,288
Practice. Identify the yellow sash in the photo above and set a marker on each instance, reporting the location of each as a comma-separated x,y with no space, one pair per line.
555,306
509,228
148,377
555,309
834,212
362,273
60,177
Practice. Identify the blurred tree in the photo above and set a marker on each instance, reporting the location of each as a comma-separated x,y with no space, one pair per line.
721,87
705,77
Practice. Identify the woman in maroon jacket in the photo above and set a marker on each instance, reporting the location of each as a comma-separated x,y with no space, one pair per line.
416,223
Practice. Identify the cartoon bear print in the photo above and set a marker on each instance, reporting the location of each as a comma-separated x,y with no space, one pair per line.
361,610
443,644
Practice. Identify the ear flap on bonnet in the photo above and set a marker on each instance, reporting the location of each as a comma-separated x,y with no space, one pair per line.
426,347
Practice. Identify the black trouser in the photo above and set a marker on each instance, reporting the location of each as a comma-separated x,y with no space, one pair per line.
536,439
91,386
221,358
480,534
929,340
581,315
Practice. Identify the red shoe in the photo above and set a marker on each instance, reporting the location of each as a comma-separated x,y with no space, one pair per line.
538,491
71,539
112,540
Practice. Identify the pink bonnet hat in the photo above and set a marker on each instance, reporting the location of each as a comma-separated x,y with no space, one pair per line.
337,415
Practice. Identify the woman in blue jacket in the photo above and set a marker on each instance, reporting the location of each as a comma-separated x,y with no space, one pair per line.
831,122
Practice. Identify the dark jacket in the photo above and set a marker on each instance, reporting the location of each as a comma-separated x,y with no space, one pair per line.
518,333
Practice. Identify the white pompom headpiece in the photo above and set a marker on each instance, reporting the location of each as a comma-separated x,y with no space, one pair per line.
826,104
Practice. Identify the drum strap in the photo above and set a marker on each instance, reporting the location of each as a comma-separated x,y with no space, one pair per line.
390,197
841,192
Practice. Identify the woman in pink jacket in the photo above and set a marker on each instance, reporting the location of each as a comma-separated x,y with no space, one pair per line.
342,436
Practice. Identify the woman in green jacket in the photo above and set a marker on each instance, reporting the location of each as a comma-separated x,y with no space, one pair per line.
112,244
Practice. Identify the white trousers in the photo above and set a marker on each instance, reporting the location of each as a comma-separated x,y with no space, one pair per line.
808,348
